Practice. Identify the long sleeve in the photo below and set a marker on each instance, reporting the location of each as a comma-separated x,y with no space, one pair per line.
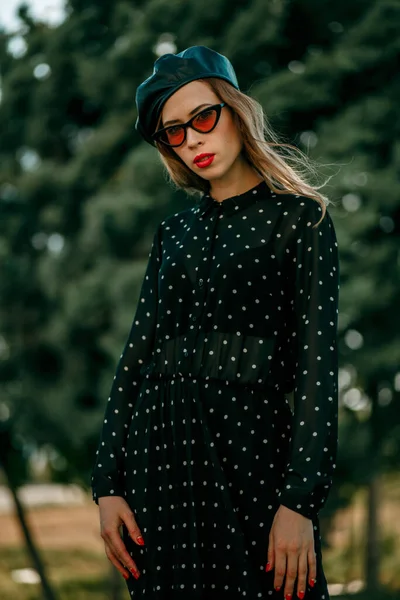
106,472
313,274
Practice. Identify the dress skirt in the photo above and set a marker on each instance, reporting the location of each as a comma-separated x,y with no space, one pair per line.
204,463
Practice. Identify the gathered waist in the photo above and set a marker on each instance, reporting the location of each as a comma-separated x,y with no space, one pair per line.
201,379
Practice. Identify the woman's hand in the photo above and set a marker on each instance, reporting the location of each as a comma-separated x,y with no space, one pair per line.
115,511
291,551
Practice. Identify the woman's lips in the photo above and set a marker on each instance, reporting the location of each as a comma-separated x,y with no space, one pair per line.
205,162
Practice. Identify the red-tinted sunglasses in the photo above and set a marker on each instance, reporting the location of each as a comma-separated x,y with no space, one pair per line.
204,122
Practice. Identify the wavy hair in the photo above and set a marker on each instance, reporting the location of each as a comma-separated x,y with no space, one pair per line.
284,167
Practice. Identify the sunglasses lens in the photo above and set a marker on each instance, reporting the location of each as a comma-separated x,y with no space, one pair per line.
205,120
174,136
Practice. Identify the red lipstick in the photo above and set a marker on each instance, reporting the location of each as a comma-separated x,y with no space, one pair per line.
203,160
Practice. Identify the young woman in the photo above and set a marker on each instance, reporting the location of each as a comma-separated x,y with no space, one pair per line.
214,481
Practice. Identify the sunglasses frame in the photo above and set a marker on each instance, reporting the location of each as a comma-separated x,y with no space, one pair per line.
157,134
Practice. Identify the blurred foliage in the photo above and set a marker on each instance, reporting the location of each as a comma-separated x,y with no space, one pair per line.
81,195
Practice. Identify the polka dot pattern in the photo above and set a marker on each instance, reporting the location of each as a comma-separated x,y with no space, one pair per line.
238,308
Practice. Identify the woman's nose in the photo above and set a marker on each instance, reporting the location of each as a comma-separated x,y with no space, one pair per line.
192,137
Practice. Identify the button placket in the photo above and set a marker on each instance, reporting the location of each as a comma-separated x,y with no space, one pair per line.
200,289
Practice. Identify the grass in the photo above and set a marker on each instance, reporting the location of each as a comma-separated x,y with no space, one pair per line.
74,575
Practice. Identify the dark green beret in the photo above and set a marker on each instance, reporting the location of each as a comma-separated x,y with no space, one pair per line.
172,71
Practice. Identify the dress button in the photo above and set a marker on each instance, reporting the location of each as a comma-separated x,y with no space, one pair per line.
194,318
201,282
185,352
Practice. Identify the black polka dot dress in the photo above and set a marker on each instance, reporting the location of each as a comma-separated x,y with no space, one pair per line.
238,308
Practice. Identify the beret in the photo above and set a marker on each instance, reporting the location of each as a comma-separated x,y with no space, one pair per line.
172,71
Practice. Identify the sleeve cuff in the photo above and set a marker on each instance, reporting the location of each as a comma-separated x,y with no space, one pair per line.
300,501
106,487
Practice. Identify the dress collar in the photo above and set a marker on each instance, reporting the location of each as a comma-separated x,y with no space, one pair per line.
234,204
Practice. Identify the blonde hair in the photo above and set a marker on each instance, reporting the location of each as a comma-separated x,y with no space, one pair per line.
261,148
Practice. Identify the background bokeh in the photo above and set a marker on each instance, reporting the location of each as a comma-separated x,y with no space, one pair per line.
80,197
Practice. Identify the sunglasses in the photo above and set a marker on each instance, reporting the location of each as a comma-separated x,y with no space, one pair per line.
203,122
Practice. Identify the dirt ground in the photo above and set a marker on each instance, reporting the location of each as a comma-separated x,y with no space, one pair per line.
57,527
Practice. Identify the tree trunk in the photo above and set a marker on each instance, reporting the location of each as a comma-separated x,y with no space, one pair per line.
372,546
372,535
115,583
48,593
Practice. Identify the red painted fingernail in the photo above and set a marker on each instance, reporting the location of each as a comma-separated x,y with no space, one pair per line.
125,575
301,595
268,567
288,596
312,582
134,573
278,588
140,540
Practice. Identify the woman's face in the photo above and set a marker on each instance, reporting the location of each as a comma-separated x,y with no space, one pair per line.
224,141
